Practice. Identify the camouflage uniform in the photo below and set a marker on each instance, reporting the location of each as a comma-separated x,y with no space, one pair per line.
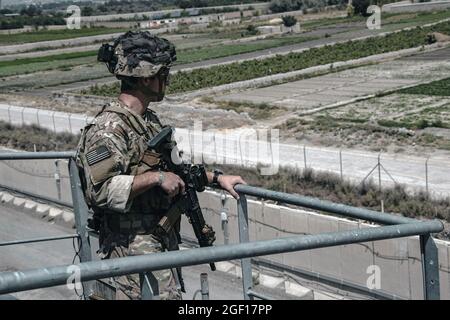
112,150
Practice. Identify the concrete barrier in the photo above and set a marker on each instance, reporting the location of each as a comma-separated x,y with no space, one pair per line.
416,7
399,260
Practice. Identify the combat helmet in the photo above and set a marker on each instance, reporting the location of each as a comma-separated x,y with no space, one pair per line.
138,54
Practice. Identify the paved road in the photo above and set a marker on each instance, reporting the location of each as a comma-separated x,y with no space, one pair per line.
18,225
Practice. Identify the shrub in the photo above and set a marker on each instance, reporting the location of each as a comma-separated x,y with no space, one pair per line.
360,7
289,21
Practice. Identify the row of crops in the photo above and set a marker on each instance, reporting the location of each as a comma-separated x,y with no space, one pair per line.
239,71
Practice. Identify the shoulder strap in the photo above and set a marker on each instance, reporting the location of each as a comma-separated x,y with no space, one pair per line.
128,117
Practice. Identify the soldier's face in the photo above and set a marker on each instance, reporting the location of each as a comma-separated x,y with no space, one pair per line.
154,88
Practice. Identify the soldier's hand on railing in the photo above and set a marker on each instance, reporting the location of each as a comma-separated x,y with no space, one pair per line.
228,182
172,184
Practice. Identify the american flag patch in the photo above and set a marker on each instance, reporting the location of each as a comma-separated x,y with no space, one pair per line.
97,155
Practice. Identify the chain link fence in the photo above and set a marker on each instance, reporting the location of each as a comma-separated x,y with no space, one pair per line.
237,147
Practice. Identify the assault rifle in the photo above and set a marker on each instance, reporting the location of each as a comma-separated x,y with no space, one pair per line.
195,179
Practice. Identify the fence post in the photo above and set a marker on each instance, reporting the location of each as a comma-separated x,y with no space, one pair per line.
304,155
54,124
379,172
426,177
80,210
430,267
149,286
224,219
70,123
204,286
58,179
215,149
191,147
246,266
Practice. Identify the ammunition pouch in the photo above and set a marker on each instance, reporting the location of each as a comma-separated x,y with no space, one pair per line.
150,161
131,223
171,219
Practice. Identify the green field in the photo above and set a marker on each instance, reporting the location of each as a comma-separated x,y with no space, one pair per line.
188,55
60,61
28,65
48,35
63,65
435,88
387,19
246,70
219,51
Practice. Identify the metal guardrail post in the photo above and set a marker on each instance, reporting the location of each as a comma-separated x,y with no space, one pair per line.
35,240
246,266
149,286
323,205
204,286
80,210
430,267
14,281
258,295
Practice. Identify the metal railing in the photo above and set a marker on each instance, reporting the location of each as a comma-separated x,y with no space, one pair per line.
394,227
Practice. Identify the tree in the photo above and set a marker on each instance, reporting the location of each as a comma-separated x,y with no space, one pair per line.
103,8
87,11
251,30
289,21
361,7
350,10
31,11
183,4
5,11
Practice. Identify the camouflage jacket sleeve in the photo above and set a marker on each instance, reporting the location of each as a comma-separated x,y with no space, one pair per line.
106,161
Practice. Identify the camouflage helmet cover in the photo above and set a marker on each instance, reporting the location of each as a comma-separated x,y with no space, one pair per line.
137,54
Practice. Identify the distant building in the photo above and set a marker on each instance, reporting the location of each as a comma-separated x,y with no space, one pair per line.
232,15
156,24
231,21
269,29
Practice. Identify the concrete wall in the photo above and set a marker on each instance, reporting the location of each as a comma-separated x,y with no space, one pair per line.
174,12
57,43
31,28
399,260
112,24
416,7
223,147
48,178
52,120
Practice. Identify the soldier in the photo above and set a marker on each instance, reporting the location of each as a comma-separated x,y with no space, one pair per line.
123,185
